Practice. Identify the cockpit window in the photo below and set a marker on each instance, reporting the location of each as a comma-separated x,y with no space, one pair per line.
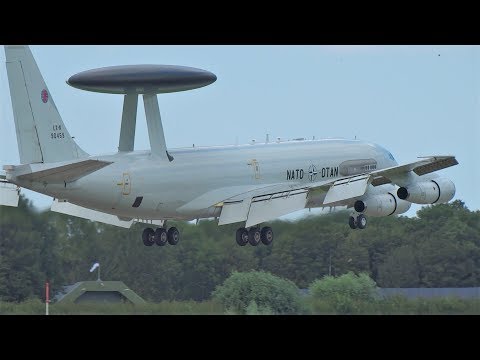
382,151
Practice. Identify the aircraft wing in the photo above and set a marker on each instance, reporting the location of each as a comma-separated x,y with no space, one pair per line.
266,203
263,203
425,166
355,186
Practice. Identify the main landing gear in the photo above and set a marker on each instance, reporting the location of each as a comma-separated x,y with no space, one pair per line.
359,222
160,236
254,236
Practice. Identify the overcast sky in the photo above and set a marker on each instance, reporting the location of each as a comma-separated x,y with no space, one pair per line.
413,100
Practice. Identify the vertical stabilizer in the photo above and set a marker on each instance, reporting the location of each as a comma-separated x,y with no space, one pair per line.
41,133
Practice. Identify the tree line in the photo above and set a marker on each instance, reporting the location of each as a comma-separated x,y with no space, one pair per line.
438,248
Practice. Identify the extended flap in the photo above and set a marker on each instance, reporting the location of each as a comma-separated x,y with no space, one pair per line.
234,212
347,189
269,207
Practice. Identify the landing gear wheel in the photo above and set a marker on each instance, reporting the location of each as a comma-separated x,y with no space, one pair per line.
242,236
352,222
173,235
148,237
254,236
160,237
266,235
361,221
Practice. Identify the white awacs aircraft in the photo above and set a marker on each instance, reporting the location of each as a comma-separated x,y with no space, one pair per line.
259,181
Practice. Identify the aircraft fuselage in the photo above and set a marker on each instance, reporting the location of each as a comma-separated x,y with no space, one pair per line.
139,185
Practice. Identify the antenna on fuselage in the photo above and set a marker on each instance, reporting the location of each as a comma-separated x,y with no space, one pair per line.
146,80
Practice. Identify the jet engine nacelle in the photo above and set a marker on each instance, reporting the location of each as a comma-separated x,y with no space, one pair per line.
382,205
437,191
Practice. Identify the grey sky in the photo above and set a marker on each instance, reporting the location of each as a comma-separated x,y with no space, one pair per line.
413,100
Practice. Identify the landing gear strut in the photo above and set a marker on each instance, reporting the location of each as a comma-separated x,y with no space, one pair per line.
359,222
160,236
254,236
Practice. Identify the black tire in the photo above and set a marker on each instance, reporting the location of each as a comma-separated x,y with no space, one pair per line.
160,236
254,236
361,221
352,222
266,235
173,235
148,237
242,236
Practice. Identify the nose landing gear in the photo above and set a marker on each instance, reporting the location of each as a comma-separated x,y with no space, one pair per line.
359,222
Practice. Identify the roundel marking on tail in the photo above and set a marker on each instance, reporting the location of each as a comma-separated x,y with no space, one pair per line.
44,96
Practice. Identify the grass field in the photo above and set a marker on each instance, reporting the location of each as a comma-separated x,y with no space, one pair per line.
391,306
35,307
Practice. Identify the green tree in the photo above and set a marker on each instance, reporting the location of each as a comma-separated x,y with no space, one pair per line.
256,290
344,294
440,247
400,269
356,287
21,273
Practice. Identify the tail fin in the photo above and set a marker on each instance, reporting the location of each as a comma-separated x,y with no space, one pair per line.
41,133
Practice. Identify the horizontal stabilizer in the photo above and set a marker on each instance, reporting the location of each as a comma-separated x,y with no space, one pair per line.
65,173
9,193
64,207
67,208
